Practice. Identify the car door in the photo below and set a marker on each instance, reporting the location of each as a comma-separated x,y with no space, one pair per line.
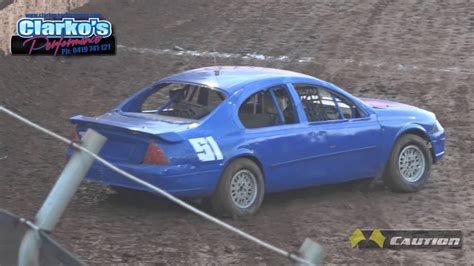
273,132
342,137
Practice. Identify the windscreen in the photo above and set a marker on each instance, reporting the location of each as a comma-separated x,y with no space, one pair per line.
182,100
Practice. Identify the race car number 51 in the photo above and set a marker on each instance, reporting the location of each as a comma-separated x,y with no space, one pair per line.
206,149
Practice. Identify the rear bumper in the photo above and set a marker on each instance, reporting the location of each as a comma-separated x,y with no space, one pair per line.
438,140
179,180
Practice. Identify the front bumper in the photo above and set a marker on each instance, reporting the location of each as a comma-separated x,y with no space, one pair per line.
179,180
438,140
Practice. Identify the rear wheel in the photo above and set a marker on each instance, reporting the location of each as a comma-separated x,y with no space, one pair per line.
240,190
409,165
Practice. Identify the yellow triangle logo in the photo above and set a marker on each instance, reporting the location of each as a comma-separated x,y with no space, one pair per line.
356,237
377,237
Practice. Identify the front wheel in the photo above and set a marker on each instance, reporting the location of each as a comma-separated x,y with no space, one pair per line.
240,190
409,165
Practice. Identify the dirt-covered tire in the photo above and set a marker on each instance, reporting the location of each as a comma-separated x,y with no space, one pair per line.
240,190
409,165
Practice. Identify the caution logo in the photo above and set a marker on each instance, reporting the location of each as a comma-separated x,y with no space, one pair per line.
397,239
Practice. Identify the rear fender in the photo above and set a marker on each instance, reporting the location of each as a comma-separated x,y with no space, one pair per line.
245,154
248,154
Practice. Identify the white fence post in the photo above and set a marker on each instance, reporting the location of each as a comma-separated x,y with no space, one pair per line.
60,196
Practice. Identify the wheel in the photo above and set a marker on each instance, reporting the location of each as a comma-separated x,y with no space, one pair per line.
240,190
409,165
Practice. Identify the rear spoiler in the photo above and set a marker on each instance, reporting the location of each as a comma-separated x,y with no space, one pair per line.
84,120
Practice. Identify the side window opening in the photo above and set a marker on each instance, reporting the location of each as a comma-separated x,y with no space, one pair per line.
321,105
311,102
285,104
348,111
259,109
330,107
182,100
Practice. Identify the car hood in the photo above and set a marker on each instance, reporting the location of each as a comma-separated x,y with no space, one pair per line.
394,110
383,104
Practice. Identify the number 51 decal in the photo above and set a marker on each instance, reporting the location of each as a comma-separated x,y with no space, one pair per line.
206,149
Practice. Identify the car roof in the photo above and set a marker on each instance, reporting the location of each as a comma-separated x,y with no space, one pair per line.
230,78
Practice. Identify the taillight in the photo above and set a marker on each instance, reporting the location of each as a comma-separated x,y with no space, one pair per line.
75,136
154,155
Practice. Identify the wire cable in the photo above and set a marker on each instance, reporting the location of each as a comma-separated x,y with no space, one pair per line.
158,190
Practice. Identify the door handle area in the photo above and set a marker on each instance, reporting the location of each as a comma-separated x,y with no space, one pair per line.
317,133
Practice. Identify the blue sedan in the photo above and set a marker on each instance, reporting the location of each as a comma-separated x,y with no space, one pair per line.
231,134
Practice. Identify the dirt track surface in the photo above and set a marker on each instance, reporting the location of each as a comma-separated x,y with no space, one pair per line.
416,52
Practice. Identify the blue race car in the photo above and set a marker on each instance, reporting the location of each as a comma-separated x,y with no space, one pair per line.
232,134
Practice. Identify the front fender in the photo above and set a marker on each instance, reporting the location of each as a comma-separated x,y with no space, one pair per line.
393,131
412,127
